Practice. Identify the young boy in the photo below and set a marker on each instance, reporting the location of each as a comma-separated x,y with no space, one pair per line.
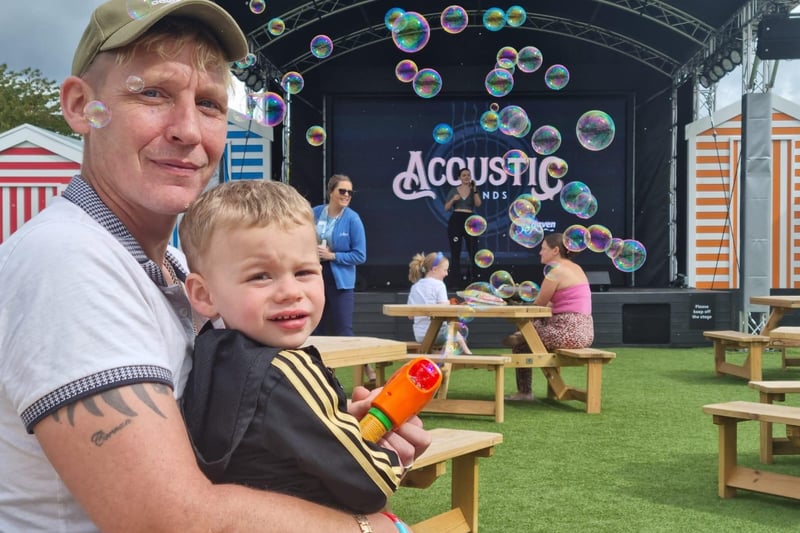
261,411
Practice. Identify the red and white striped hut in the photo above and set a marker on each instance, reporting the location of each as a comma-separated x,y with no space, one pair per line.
35,165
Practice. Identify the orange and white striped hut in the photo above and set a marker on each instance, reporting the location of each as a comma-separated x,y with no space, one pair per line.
714,203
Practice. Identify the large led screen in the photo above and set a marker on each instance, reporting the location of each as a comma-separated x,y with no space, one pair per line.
402,174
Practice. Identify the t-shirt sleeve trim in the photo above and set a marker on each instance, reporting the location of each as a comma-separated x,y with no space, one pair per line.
91,385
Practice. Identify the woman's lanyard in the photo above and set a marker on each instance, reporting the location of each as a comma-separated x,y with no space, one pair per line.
325,226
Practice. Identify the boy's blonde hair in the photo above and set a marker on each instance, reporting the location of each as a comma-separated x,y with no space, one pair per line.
236,205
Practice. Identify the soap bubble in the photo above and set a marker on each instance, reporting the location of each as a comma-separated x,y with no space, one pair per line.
411,32
454,19
546,140
599,238
595,130
515,162
502,284
527,291
522,206
576,238
557,168
427,83
489,121
138,8
586,206
526,231
274,108
631,256
507,57
499,82
516,16
556,77
494,19
484,258
443,133
529,59
292,82
276,26
134,84
392,16
321,46
614,247
247,61
97,114
514,121
405,70
475,225
570,193
257,6
315,135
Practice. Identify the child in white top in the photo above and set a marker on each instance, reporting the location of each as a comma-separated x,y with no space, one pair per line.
427,273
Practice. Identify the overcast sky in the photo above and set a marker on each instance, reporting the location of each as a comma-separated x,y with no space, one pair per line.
43,34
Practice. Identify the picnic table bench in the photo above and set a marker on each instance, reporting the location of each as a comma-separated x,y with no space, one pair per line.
443,405
732,476
551,364
785,337
463,448
726,340
770,392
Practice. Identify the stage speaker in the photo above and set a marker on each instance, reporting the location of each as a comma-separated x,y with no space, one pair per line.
778,37
599,281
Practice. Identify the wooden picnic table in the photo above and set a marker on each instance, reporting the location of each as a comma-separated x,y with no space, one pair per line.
338,352
778,307
521,316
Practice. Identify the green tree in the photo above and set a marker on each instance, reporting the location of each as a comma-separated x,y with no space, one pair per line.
29,97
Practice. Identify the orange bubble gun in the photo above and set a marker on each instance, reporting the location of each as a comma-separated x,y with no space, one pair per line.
404,395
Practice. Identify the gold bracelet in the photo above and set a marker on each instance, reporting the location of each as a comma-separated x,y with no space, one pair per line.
363,523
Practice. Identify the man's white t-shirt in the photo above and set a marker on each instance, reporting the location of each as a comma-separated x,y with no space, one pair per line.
78,315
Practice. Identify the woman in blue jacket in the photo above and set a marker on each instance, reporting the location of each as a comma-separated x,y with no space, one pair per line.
342,246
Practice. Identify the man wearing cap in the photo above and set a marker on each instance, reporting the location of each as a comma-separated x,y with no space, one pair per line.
95,330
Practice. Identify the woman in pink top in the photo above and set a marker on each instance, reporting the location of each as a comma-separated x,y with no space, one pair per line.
566,290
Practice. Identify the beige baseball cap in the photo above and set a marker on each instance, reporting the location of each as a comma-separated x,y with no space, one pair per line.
112,26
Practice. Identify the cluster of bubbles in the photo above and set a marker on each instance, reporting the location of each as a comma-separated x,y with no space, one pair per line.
98,115
627,255
411,32
500,289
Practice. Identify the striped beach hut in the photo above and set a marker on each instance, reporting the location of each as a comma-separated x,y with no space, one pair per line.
35,165
714,202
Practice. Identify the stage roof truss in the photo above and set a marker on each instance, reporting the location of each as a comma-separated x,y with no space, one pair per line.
535,22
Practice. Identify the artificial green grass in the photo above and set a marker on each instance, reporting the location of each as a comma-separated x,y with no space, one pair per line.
646,463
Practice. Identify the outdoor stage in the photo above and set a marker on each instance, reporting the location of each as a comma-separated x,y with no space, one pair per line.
657,317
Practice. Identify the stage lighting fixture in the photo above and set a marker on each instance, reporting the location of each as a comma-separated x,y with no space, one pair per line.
240,74
735,56
704,81
718,70
727,64
713,76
